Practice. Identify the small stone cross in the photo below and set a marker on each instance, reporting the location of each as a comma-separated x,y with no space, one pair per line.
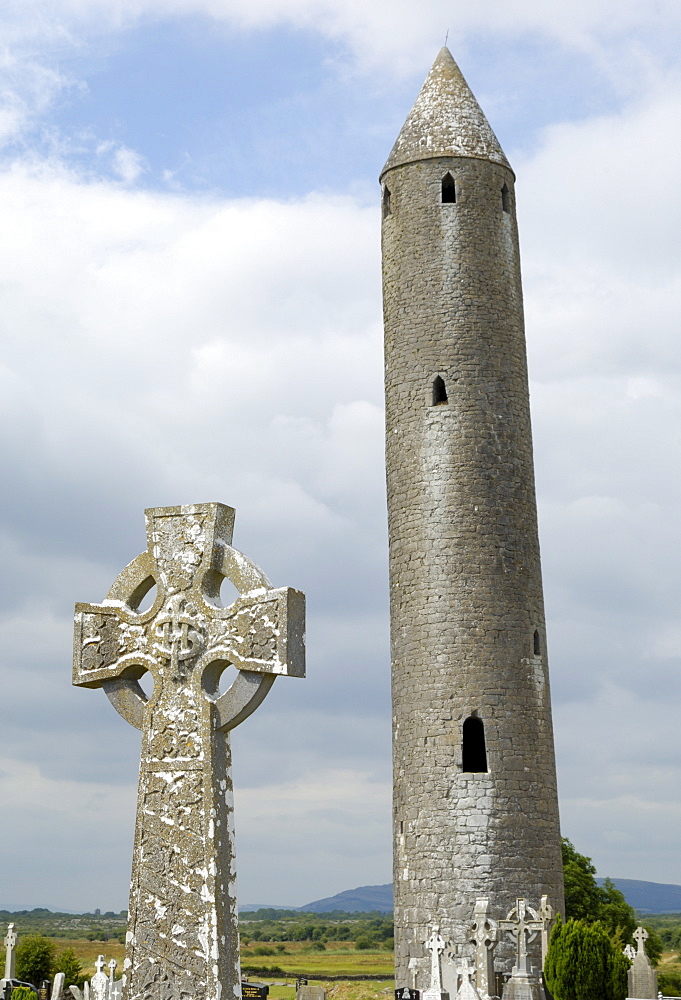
466,969
466,990
640,936
99,984
182,939
523,922
435,945
113,965
547,916
10,958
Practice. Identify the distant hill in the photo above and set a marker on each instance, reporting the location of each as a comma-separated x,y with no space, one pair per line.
365,899
649,897
646,897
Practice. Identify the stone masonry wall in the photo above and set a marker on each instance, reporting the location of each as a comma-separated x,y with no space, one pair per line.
465,577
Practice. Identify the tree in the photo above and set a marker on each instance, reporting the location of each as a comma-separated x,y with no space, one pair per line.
35,958
614,911
68,963
582,963
588,901
582,897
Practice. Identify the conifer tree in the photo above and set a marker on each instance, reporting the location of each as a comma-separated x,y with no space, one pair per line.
68,963
582,963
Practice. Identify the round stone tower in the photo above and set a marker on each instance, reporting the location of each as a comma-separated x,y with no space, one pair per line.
475,803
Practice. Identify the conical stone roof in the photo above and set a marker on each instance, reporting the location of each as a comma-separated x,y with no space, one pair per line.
446,120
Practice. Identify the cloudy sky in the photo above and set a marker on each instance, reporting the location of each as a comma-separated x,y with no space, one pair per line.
189,268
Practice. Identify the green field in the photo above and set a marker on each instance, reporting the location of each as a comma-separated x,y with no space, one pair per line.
296,960
333,962
356,990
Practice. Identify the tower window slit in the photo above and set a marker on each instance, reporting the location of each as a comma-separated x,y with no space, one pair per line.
448,190
536,643
439,391
474,751
387,207
505,198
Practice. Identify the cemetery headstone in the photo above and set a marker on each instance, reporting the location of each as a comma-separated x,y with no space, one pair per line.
524,924
405,993
642,978
467,990
10,957
484,934
436,945
254,991
182,940
58,986
114,989
99,984
547,916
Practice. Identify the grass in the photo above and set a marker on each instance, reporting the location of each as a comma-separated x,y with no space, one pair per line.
670,962
341,960
355,990
87,952
335,961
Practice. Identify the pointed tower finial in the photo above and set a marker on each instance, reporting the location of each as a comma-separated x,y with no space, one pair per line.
446,120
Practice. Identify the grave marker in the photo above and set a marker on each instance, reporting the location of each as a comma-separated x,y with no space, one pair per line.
642,978
254,991
405,993
182,940
484,934
435,944
524,924
10,958
58,986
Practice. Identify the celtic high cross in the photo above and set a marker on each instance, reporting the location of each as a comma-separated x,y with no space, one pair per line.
182,941
524,924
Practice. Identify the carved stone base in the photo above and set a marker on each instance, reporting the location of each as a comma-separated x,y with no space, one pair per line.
434,995
522,986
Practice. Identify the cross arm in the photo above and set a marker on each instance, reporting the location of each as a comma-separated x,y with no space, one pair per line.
107,644
262,631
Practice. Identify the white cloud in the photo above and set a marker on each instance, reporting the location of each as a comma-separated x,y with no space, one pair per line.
398,31
24,788
272,819
126,163
79,823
